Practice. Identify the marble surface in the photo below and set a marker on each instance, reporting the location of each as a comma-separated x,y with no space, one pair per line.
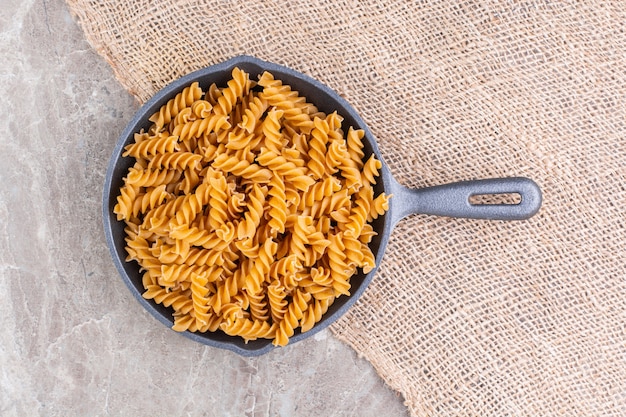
73,341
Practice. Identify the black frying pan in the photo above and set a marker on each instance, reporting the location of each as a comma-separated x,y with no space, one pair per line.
451,200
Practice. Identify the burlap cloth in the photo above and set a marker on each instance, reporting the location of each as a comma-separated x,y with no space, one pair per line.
464,317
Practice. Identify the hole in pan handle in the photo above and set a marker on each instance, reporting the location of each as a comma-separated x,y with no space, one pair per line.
453,200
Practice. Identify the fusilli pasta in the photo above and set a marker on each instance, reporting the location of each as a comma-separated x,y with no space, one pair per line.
248,209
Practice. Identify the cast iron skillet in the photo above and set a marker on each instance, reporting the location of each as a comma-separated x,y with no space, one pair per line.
445,200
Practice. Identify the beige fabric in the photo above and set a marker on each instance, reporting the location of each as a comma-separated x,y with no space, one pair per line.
465,317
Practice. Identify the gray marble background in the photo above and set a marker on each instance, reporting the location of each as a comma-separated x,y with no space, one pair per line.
73,341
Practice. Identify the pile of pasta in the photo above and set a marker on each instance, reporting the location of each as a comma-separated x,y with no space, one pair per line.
248,209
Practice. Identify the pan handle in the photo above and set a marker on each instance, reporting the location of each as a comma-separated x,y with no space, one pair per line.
453,200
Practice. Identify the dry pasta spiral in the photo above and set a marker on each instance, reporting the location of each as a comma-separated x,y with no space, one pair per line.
152,146
171,109
237,87
248,209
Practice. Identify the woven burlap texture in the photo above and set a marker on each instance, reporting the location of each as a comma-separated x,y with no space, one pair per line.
464,317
